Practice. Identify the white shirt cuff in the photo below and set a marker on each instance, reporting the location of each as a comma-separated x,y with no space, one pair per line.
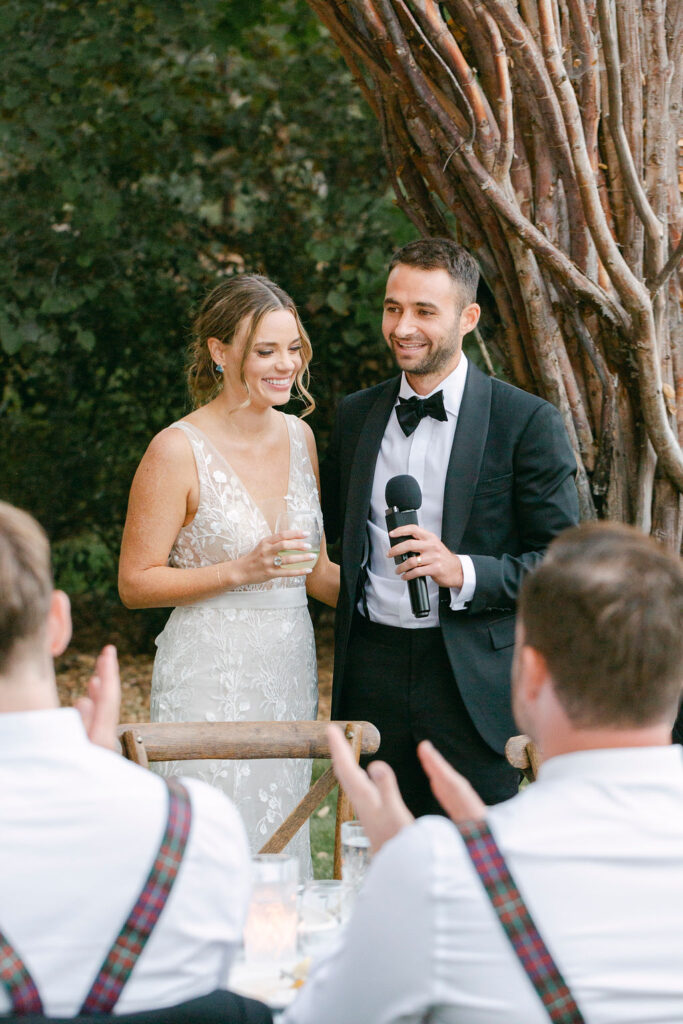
461,598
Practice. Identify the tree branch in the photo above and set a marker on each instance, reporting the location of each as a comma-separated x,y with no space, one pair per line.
668,269
615,118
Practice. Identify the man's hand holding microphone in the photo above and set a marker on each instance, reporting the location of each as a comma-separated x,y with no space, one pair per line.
421,553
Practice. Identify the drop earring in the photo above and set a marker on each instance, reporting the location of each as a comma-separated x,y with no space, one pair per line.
219,368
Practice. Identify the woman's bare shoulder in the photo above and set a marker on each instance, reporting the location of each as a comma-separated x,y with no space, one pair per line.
171,446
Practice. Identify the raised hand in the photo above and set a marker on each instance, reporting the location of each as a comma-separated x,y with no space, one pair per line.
100,709
374,794
451,789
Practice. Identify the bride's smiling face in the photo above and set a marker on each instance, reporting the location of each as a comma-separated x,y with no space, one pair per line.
272,363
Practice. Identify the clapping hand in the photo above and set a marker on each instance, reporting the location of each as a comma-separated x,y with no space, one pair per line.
100,709
451,789
374,794
376,797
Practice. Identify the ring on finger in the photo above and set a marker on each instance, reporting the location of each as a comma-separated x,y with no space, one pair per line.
419,559
277,561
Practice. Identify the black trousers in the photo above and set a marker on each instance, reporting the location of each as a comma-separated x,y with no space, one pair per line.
401,680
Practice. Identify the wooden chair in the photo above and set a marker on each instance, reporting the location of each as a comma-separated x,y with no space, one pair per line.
145,742
523,753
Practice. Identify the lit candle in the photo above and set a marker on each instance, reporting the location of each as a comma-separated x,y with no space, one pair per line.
270,931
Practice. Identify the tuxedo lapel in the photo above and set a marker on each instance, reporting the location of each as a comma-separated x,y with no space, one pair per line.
362,474
467,452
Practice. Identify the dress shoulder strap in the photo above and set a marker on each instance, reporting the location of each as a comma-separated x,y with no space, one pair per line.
198,443
130,942
518,924
188,430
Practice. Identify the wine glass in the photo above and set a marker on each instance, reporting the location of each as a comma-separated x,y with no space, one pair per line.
307,521
321,914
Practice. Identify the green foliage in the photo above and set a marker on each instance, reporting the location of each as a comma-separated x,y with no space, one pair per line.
83,563
323,822
146,148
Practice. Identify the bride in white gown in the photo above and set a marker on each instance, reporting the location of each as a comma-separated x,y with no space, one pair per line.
199,536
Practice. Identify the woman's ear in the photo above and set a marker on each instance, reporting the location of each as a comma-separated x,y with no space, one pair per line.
59,623
216,350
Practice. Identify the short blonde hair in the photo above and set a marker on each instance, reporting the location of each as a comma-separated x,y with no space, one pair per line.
224,310
25,579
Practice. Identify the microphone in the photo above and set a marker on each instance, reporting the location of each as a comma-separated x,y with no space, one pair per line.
404,497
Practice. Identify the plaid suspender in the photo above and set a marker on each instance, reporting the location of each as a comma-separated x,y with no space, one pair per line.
18,982
120,960
518,924
122,956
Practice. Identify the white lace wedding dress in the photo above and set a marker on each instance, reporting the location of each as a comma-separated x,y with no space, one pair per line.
246,655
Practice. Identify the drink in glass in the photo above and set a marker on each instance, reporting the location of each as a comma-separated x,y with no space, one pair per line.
355,855
308,522
321,911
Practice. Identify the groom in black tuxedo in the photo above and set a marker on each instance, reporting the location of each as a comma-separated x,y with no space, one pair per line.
496,472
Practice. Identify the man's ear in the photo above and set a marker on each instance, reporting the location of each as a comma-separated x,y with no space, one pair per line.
469,318
533,673
59,623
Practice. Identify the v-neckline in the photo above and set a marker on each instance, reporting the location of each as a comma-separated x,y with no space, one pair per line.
239,479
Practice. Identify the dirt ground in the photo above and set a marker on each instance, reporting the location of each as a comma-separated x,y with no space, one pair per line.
75,667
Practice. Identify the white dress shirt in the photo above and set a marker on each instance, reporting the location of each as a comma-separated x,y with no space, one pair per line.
424,455
596,848
79,829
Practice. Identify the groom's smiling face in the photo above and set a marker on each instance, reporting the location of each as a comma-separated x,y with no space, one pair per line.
422,321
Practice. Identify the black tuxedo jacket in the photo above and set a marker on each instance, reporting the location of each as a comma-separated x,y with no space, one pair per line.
509,490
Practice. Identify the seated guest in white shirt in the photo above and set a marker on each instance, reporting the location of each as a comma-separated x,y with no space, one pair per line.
595,845
80,828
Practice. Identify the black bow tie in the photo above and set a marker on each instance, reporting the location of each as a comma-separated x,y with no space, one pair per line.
411,410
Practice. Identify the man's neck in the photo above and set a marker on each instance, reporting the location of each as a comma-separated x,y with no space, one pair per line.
571,741
28,689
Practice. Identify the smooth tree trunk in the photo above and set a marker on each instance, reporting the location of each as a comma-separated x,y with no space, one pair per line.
545,135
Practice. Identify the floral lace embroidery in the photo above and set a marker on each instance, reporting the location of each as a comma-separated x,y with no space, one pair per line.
238,664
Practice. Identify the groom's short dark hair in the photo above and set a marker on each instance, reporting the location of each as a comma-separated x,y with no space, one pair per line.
442,254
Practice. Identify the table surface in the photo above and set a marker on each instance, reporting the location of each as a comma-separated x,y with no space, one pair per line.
275,985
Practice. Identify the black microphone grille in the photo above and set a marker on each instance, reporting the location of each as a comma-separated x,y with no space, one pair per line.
403,492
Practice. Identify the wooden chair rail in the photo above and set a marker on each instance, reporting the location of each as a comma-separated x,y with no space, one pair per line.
145,742
187,741
523,753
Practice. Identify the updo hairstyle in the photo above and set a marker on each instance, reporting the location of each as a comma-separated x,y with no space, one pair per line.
239,298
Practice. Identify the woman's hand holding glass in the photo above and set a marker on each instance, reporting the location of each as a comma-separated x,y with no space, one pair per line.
281,555
300,522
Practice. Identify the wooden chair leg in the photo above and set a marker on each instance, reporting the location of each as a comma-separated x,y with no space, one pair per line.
534,759
303,810
354,735
133,748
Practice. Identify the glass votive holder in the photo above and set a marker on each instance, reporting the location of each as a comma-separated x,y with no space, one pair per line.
322,907
270,932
